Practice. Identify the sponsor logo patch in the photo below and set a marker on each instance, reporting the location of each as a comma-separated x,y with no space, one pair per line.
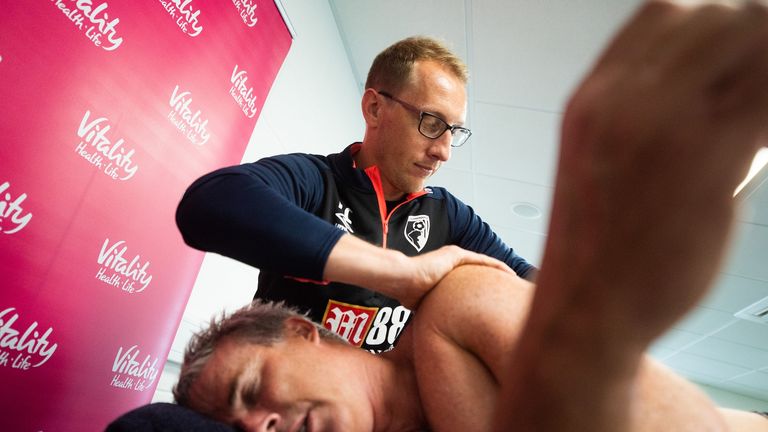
387,326
351,322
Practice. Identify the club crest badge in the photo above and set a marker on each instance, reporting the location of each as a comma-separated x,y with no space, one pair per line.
417,231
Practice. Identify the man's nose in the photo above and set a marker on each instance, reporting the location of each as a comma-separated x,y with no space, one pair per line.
441,147
260,421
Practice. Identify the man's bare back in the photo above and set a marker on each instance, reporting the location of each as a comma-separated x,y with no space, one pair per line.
465,334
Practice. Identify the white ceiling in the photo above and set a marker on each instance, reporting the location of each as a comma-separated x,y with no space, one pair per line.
524,58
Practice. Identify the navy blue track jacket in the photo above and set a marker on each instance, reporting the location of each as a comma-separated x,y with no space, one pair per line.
284,214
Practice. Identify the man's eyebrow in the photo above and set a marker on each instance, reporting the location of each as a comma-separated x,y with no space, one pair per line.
443,117
249,377
234,385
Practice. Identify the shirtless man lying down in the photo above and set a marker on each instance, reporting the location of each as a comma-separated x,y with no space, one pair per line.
267,368
653,143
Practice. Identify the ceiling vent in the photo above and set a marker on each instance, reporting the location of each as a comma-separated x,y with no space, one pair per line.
757,312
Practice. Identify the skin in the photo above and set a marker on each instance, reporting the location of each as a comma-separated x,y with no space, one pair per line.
305,381
664,127
683,90
472,352
445,375
405,159
654,142
459,361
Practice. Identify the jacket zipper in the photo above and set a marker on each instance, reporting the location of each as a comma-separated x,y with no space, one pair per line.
373,174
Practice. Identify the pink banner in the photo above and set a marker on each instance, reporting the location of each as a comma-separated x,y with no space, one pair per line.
110,109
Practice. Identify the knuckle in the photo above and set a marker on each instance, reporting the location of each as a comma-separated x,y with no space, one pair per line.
756,9
656,8
661,5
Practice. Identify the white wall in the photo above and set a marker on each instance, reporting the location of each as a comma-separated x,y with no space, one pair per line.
313,107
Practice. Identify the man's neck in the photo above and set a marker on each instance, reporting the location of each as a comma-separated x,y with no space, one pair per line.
364,159
400,408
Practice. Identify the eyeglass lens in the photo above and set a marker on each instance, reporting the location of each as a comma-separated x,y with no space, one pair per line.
432,127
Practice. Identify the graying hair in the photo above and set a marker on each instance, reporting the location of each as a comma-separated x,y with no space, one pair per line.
259,323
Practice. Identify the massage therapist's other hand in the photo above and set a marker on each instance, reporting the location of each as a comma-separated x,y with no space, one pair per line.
394,274
654,142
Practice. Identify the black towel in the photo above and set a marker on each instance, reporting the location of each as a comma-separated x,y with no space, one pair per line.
165,417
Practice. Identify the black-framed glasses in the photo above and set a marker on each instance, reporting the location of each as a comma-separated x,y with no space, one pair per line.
432,126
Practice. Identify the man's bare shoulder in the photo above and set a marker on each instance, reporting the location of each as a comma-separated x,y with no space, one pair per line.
463,333
476,308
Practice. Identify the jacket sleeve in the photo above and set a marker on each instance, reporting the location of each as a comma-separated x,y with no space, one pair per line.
470,232
261,214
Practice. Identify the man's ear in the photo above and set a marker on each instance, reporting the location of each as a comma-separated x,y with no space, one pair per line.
301,327
371,105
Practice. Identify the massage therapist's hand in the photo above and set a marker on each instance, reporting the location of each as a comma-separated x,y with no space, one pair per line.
394,274
654,142
423,272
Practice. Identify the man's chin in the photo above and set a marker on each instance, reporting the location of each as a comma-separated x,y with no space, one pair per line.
417,188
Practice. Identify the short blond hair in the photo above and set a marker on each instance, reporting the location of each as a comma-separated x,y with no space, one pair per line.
391,69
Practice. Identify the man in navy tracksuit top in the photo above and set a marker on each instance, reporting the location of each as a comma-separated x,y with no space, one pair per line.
289,215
